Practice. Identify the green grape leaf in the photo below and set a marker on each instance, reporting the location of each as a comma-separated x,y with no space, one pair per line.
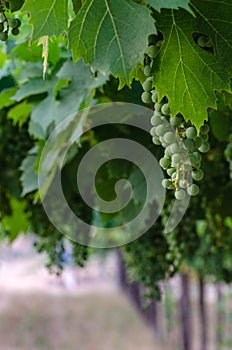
29,178
111,36
184,72
20,113
15,5
169,4
5,97
18,221
49,17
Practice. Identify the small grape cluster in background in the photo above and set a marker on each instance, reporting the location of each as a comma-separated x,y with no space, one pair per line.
182,143
7,24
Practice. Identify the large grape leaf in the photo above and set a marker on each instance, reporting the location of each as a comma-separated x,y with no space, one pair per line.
49,17
169,4
111,36
184,72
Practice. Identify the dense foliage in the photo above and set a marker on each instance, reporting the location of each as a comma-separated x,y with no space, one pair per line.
57,58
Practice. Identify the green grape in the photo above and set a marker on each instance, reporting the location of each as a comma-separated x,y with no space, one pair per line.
173,176
152,51
164,163
175,148
13,23
15,31
171,171
183,183
155,119
160,130
205,147
167,153
166,183
175,121
3,36
147,71
180,194
195,158
154,96
191,132
197,142
193,190
197,174
1,27
147,84
165,109
158,107
156,140
189,145
204,137
176,159
204,129
146,97
202,41
153,132
169,137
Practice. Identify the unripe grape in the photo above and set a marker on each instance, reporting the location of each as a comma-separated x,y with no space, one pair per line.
3,36
175,148
154,96
146,97
15,31
147,84
204,137
156,140
147,71
189,145
166,183
198,174
169,137
183,183
165,109
180,194
205,147
197,142
160,130
176,159
174,176
158,107
152,51
153,131
13,22
167,153
202,41
191,132
155,119
193,190
204,129
164,163
171,171
175,121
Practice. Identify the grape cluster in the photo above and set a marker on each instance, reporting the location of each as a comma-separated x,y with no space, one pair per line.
8,24
228,154
181,141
